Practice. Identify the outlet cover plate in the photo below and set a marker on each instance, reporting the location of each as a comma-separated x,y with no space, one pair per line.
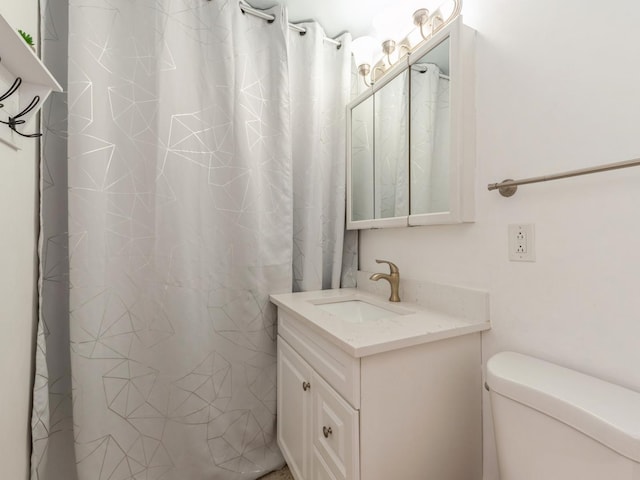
522,243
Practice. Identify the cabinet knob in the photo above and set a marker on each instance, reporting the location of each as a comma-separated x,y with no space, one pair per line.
306,386
326,431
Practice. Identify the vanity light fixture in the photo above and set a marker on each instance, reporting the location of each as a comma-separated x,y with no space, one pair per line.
390,28
434,22
429,22
420,19
363,49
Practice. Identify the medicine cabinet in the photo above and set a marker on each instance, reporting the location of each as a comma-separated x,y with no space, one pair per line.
410,143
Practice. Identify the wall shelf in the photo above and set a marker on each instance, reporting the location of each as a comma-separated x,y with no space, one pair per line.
19,61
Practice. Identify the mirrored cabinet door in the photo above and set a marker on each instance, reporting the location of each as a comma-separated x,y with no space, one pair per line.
378,149
430,131
443,128
362,174
391,148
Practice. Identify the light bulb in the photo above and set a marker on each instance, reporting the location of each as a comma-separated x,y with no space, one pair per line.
363,49
390,24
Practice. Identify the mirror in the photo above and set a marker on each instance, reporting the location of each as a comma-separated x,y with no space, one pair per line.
411,144
391,148
430,132
362,179
378,175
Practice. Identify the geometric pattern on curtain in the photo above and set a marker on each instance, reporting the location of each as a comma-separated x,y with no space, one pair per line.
162,237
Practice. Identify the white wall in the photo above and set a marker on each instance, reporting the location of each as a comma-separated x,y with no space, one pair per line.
558,88
18,187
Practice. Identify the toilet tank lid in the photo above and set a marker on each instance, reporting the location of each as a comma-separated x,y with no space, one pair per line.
606,412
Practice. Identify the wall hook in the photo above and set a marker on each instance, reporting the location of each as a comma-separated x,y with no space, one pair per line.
16,120
12,89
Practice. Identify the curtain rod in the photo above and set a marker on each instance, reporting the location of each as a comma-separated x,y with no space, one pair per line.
509,187
270,18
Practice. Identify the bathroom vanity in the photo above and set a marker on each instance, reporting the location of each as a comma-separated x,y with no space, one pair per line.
369,389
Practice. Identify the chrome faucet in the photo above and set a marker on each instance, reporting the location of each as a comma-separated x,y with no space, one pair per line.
393,278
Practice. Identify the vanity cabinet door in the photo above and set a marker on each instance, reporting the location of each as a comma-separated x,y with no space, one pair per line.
294,410
336,434
321,471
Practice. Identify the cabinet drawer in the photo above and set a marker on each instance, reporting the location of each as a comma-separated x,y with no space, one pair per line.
337,367
336,435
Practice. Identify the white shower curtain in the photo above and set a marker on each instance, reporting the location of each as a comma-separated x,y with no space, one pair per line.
320,83
156,355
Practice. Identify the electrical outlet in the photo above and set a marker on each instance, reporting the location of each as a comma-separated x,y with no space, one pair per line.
522,243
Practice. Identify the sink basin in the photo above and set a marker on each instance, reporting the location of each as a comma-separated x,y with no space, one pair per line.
357,311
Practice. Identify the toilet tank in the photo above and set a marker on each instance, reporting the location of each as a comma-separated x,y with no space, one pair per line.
554,423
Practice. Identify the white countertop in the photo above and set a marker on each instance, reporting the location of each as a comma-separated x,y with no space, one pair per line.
416,325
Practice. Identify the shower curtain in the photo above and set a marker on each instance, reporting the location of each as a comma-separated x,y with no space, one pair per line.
171,222
320,84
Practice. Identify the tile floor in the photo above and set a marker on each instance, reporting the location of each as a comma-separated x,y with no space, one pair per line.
283,474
